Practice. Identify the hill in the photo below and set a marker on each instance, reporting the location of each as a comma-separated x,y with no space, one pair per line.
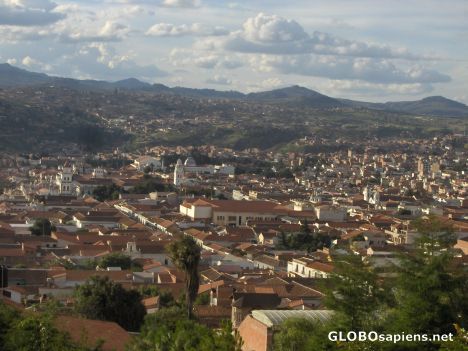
431,106
11,77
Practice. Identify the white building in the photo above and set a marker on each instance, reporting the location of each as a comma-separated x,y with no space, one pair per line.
65,180
231,212
330,213
148,161
309,268
182,171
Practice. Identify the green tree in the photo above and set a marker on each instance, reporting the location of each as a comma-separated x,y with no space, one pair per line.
294,335
353,292
202,299
227,339
116,259
42,226
8,317
36,333
107,192
100,298
305,227
165,297
460,341
170,330
431,289
185,253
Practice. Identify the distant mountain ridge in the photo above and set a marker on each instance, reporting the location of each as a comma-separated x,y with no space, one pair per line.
11,77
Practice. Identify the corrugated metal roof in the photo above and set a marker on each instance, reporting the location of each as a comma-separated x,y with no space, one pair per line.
275,317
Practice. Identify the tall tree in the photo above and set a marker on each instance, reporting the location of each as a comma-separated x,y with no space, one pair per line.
42,226
101,298
305,227
185,253
431,288
294,335
36,333
354,293
116,259
8,317
169,329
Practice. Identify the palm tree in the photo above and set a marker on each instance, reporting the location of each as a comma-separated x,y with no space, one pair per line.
185,253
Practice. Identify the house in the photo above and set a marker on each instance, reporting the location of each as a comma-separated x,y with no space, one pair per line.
309,268
244,303
330,213
257,329
151,304
102,218
231,212
212,316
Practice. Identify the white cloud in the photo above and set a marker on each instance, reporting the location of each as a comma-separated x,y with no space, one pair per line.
196,29
29,61
338,87
201,59
277,35
110,31
272,29
102,61
14,34
219,80
28,12
346,68
181,3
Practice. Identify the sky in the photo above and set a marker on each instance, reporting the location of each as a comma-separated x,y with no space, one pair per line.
372,50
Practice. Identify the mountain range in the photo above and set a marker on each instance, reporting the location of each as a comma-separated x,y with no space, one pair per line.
13,77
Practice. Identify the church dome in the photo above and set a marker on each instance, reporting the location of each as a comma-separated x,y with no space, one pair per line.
190,162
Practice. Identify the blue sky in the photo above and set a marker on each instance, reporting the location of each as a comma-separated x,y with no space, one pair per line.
361,49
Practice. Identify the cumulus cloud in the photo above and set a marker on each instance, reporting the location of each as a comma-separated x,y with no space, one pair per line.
272,29
333,67
29,61
185,57
28,12
14,34
101,61
272,34
219,80
196,29
110,31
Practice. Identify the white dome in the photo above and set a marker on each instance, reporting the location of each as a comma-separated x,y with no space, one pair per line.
190,162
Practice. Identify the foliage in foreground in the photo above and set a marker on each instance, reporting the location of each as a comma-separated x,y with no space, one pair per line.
33,332
101,298
426,296
171,330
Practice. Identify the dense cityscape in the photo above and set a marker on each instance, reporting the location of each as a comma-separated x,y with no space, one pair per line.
200,175
266,229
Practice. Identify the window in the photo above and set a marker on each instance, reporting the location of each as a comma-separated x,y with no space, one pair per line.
232,218
220,218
